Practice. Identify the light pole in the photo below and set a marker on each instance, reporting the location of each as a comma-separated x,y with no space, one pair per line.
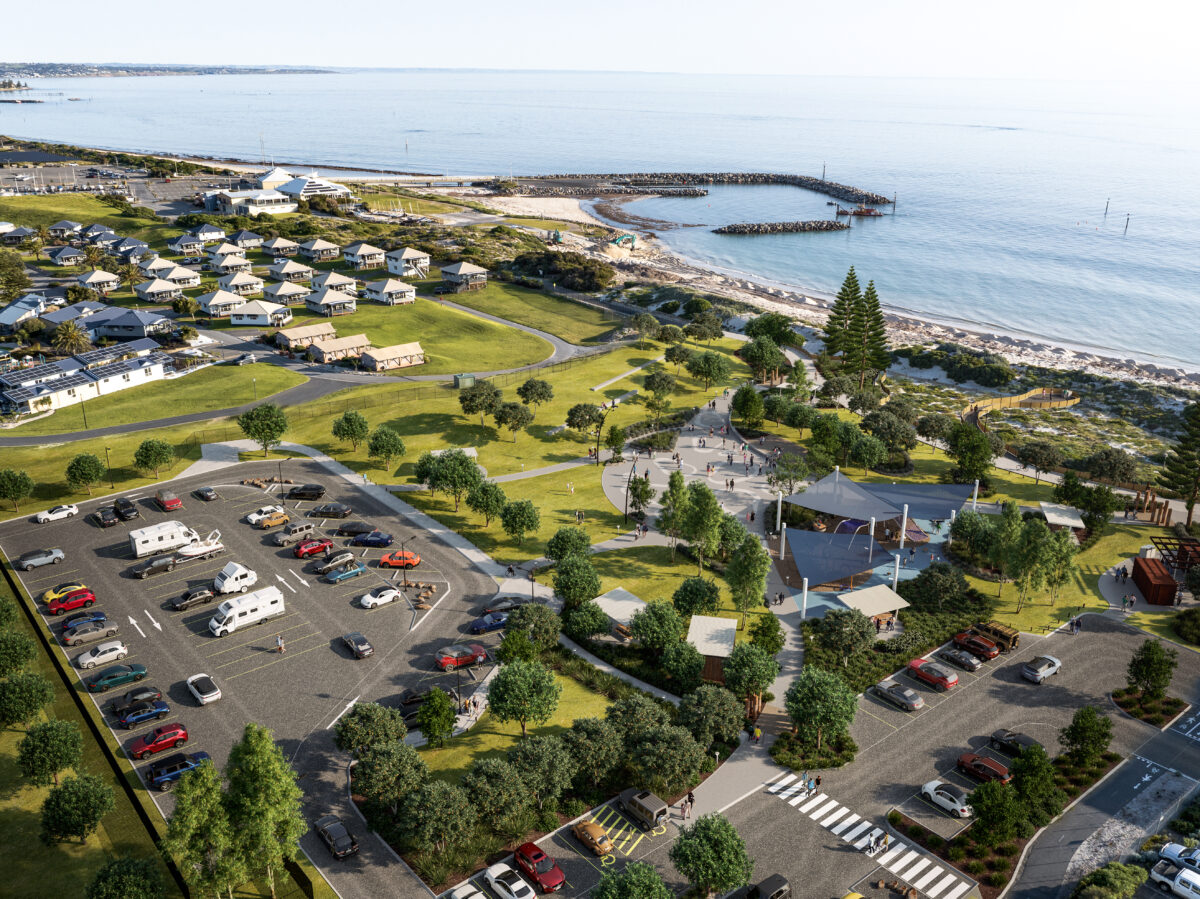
404,567
281,474
108,463
254,381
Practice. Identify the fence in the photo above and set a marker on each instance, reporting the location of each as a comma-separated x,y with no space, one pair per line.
1038,398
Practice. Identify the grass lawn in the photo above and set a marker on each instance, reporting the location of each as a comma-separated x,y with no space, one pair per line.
573,322
215,387
1157,620
46,210
489,737
543,224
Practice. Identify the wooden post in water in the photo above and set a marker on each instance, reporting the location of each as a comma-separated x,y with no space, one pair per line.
1126,231
1106,202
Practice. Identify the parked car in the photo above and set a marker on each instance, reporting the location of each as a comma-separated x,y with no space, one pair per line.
345,573
948,797
982,767
493,621
246,359
539,867
380,596
331,510
593,836
57,513
163,774
311,547
58,591
36,558
89,616
468,890
507,883
112,651
337,560
169,736
157,565
106,517
208,494
980,647
776,886
416,697
507,604
274,520
89,632
115,676
960,659
204,688
306,491
401,558
134,696
900,696
933,674
360,647
78,599
341,842
460,655
1010,742
1040,669
374,538
141,712
259,514
353,528
167,501
126,509
1181,855
197,596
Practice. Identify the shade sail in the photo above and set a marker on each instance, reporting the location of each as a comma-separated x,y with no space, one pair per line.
836,494
925,501
871,601
825,558
1062,516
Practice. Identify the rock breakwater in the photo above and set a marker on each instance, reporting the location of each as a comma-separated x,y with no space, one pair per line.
843,192
622,190
781,227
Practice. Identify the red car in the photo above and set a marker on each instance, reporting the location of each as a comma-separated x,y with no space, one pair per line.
169,736
401,558
980,647
168,501
76,599
460,655
539,867
307,548
933,674
983,768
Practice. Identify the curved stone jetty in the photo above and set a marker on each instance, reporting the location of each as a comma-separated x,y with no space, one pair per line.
843,192
781,227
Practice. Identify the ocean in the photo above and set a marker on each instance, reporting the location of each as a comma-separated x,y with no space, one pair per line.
1001,185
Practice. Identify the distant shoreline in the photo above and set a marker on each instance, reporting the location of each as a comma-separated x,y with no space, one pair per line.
26,70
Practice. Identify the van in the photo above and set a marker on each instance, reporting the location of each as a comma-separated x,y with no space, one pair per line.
274,519
643,807
243,611
294,533
1002,635
234,578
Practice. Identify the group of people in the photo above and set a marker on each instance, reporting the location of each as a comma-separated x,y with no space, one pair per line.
640,531
776,600
686,804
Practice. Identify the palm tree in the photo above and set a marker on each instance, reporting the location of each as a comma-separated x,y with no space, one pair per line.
43,234
93,256
186,305
130,274
70,338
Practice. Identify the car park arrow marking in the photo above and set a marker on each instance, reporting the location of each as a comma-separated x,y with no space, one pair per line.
285,583
157,626
348,707
303,582
133,621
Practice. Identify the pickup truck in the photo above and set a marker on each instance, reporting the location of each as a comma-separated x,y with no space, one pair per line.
1175,880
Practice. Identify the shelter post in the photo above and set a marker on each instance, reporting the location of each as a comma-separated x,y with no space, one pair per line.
896,573
782,540
837,473
803,599
871,541
779,508
903,525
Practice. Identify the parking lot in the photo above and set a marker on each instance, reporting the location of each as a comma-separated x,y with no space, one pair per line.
300,693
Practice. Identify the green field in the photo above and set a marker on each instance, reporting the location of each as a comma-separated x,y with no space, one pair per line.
573,322
216,387
542,224
46,210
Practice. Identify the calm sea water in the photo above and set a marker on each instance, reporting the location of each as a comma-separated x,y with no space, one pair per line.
1002,186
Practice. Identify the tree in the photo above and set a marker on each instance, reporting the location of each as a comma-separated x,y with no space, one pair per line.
864,342
749,671
1113,881
1028,565
1040,455
368,725
130,274
487,499
868,451
386,444
767,634
659,383
895,433
351,427
524,691
731,533
712,855
438,815
17,650
614,442
482,397
998,813
545,765
456,474
656,406
265,425
701,522
845,632
70,338
264,802
14,280
669,334
711,713
8,612
637,880
48,748
673,509
1181,468
697,596
1087,737
678,355
644,323
1033,781
75,808
685,666
656,626
587,419
865,400
568,541
22,698
665,759
596,747
585,620
518,518
1151,668
516,646
641,494
15,486
709,367
765,358
496,788
747,575
790,470
384,775
539,622
936,428
1060,561
576,581
127,878
200,837
514,416
748,405
800,416
775,326
85,470
535,392
820,704
436,717
635,714
973,451
840,314
1111,464
185,305
705,326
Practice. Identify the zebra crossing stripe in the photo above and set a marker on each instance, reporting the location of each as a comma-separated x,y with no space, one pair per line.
790,790
779,784
824,809
858,828
920,865
868,838
904,862
936,890
892,854
837,831
838,812
813,802
958,890
928,877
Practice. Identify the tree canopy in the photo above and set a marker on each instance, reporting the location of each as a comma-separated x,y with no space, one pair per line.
524,691
265,425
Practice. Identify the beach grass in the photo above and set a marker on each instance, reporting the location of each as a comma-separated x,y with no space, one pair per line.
542,224
574,322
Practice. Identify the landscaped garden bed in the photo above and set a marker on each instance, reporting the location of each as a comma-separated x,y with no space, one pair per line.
1156,712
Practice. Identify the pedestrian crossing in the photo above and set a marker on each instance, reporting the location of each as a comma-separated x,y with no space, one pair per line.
927,874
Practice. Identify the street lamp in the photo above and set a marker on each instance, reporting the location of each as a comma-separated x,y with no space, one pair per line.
281,474
404,568
254,381
108,462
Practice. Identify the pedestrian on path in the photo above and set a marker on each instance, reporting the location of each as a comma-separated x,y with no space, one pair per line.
818,781
279,647
757,734
691,801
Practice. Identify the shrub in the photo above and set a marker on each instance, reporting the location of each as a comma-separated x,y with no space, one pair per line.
1187,625
999,864
798,754
917,832
573,807
996,879
933,841
893,818
956,853
975,867
976,850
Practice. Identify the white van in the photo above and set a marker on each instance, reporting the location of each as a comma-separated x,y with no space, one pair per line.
234,578
161,538
243,611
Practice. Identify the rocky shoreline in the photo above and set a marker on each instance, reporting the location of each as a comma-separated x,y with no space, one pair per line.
782,227
586,192
650,179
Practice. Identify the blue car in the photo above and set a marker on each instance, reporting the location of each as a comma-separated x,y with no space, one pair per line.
346,572
91,616
163,774
140,712
375,538
493,621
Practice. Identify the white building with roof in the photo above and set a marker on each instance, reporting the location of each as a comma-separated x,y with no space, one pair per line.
157,291
305,187
335,281
464,276
249,202
273,178
363,256
402,355
304,336
100,281
243,284
328,301
320,250
281,246
219,303
390,292
290,270
155,264
85,376
260,314
229,265
180,276
326,351
289,293
714,638
408,263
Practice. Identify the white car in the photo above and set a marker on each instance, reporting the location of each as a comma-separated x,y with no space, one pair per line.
467,890
255,517
380,596
204,688
948,797
57,514
102,654
507,883
1040,669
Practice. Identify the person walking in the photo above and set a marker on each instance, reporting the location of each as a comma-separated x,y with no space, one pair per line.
818,781
691,801
279,647
757,734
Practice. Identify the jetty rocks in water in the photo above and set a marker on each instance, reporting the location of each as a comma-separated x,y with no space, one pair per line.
621,190
842,192
781,227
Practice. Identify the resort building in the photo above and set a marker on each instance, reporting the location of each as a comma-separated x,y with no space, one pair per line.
230,265
75,312
180,276
104,240
186,245
17,236
64,229
30,306
243,284
289,293
273,179
401,355
219,303
305,335
290,270
100,281
281,246
408,263
305,187
363,255
335,281
208,233
258,313
219,252
157,291
248,202
319,250
390,292
126,324
151,267
130,249
66,256
328,301
327,351
246,240
463,276
87,233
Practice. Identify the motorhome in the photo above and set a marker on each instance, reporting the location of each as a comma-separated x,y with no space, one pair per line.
161,538
234,578
243,611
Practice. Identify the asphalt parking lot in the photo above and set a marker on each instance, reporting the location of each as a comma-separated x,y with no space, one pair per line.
298,694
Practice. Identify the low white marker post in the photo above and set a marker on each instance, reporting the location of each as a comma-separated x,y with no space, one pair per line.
804,599
871,540
837,473
975,496
903,525
896,573
783,542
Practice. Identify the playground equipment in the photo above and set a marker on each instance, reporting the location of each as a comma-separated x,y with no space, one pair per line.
617,241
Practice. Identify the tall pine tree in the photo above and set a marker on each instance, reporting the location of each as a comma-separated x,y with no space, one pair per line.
841,313
1181,470
865,347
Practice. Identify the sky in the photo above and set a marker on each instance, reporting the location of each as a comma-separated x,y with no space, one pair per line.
1101,40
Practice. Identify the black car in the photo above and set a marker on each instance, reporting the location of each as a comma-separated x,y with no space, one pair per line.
331,510
354,528
134,696
157,565
306,491
205,493
126,509
106,517
416,697
194,597
507,604
960,658
358,645
341,842
1010,742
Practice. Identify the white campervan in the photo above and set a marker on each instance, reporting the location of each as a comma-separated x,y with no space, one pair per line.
234,578
243,611
161,538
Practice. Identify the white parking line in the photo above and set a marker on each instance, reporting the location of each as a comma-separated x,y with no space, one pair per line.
348,707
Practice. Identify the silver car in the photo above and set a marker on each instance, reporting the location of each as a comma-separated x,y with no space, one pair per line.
38,557
89,632
104,654
1040,668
